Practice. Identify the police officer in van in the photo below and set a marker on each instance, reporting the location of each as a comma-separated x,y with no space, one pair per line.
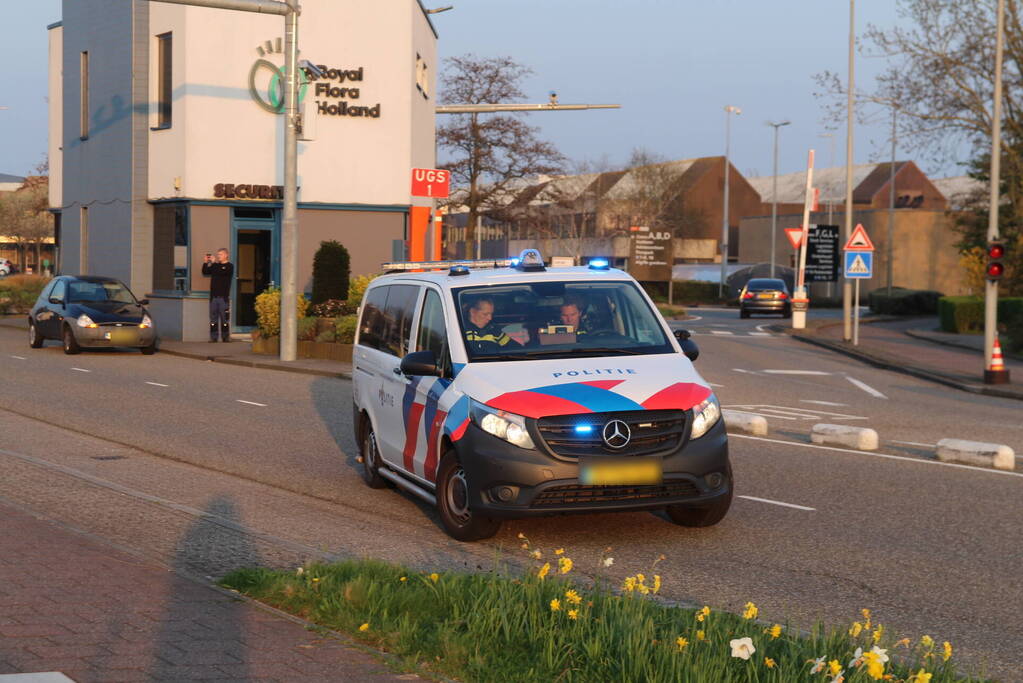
484,335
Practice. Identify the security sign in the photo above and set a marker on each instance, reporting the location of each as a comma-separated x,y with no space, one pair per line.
859,264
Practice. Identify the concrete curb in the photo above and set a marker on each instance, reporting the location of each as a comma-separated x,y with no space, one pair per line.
977,453
736,420
228,360
860,438
924,336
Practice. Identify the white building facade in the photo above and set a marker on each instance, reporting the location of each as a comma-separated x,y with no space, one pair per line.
166,142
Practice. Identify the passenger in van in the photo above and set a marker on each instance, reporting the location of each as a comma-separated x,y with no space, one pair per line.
482,331
572,314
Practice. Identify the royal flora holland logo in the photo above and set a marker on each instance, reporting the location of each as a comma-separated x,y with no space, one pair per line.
333,89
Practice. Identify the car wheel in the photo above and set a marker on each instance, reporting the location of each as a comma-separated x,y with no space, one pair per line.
743,313
787,313
71,346
453,494
704,515
148,350
371,461
35,340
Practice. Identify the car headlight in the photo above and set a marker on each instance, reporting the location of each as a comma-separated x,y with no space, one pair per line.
86,321
146,321
705,415
503,425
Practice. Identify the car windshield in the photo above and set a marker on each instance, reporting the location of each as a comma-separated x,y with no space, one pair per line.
80,291
761,285
558,319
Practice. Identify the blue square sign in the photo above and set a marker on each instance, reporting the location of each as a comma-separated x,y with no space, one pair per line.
859,264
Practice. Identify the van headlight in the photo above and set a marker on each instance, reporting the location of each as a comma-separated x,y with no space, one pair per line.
86,321
502,424
705,415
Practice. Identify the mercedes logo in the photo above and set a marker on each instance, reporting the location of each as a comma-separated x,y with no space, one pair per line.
617,434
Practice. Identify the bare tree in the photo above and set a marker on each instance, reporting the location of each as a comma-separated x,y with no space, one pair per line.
490,154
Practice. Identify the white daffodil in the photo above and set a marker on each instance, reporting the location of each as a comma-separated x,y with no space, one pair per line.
839,677
609,561
857,658
742,647
881,654
818,665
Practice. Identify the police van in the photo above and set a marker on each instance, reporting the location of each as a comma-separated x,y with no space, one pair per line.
505,389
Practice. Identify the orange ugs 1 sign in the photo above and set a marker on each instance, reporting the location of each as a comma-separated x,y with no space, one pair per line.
430,182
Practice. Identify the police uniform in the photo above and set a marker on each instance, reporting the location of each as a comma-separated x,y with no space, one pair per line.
487,339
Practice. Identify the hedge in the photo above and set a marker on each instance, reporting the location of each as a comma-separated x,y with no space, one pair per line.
684,291
904,301
961,314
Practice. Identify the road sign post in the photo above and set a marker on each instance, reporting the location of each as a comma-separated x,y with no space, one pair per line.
859,265
800,301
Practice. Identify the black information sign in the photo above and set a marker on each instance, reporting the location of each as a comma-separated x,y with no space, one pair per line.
822,254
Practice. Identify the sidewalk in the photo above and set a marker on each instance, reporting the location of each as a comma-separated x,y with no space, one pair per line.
915,346
73,604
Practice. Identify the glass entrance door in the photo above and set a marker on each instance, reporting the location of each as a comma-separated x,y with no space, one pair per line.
255,259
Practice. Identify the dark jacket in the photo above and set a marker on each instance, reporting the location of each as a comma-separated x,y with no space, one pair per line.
220,275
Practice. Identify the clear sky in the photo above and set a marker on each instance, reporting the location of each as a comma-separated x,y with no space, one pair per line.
672,64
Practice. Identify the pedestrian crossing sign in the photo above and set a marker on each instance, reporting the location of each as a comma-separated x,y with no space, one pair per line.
859,264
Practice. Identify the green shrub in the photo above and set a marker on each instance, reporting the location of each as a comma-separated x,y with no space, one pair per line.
684,292
326,336
904,301
268,311
357,287
334,308
19,292
962,314
307,329
331,271
344,329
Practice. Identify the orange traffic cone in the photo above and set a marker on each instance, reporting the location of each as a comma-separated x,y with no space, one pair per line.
997,364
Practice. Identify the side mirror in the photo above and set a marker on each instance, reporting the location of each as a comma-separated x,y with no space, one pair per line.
143,302
56,300
689,347
420,364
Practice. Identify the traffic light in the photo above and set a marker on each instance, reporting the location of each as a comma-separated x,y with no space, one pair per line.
995,267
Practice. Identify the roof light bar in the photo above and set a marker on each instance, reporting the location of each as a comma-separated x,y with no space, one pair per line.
530,260
599,264
405,266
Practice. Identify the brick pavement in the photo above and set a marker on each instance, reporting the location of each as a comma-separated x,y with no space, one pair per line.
71,603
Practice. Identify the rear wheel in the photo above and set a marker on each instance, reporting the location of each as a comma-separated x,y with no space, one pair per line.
71,346
704,515
35,340
743,313
148,350
460,522
371,460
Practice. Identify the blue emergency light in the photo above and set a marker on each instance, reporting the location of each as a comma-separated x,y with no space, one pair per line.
599,264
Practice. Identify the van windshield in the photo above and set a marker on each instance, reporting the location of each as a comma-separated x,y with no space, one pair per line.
558,320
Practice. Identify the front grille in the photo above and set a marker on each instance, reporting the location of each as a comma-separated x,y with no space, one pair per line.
581,495
654,432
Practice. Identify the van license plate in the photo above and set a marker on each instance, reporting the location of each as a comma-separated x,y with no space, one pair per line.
620,471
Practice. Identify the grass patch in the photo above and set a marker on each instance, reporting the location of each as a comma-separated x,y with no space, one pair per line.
669,312
544,627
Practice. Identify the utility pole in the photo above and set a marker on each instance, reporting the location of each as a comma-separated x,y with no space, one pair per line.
289,222
850,103
729,110
891,208
774,194
990,284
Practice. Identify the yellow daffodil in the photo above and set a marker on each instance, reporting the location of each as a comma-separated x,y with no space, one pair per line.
750,612
573,597
522,536
834,668
946,651
855,629
640,578
542,572
435,577
927,642
536,554
904,642
875,667
564,565
643,588
866,618
555,605
573,614
681,642
700,635
403,579
525,546
316,579
920,676
559,551
878,632
769,663
630,583
657,581
775,630
703,613
364,627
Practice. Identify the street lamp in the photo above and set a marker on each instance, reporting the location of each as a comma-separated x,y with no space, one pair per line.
774,192
847,302
729,110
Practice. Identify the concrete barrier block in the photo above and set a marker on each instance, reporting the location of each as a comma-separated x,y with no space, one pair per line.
996,455
738,421
860,438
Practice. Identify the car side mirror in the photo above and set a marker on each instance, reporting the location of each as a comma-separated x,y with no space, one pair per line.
420,364
56,300
689,347
143,302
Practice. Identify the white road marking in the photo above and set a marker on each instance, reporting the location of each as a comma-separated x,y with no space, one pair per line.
692,319
761,327
19,357
795,372
716,385
760,334
721,332
879,455
824,403
748,372
916,443
157,384
796,413
867,388
81,370
251,403
778,502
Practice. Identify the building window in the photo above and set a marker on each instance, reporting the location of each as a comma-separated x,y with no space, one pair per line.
164,80
170,247
83,66
83,241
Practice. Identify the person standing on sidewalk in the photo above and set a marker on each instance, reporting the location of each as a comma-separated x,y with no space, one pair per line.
220,272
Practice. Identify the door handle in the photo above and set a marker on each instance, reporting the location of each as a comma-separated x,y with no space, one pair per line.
396,370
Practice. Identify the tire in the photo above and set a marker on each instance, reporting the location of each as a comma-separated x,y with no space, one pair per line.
148,350
460,522
35,340
743,313
71,346
707,515
787,313
371,460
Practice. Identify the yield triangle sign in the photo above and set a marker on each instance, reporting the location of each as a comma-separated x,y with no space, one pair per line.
858,266
859,240
795,236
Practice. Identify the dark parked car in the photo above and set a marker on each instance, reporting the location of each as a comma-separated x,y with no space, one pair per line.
765,295
88,311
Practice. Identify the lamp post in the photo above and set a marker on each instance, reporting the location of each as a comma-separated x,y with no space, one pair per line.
774,193
847,303
729,110
994,376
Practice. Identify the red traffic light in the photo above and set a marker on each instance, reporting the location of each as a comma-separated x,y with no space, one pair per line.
996,250
995,271
995,268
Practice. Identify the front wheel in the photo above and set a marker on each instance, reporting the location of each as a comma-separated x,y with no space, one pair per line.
705,515
35,340
148,350
743,313
71,346
371,461
459,520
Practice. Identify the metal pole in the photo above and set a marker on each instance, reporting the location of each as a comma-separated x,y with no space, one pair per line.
891,210
774,195
724,221
991,287
289,222
850,103
856,316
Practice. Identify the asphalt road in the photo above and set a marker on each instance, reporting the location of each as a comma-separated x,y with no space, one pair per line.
816,533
